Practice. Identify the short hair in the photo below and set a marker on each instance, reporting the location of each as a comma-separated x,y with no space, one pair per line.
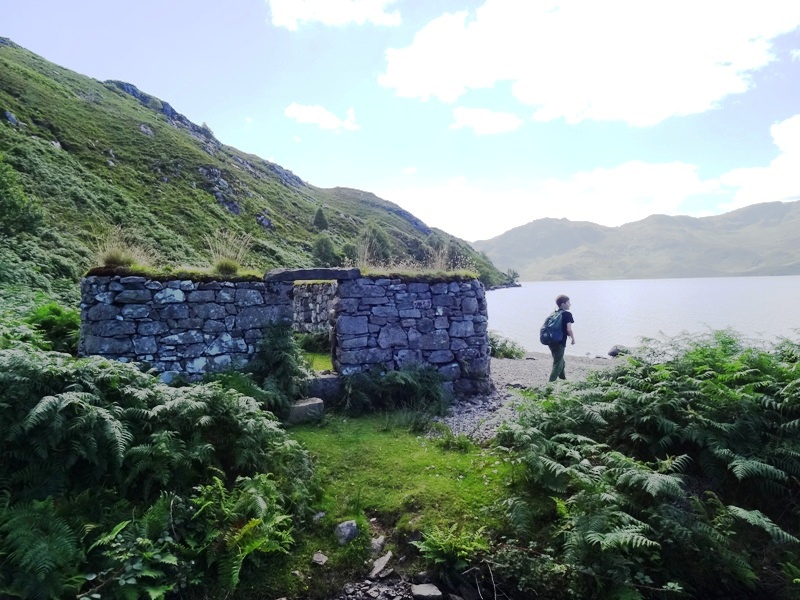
560,299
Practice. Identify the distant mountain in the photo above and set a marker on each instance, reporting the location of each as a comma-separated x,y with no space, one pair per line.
86,155
762,239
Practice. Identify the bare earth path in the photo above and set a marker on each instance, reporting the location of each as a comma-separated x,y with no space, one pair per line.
479,417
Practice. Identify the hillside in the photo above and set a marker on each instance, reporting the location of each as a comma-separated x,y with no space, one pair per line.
755,240
79,157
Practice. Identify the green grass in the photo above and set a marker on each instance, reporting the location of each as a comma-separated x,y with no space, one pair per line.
319,361
80,156
373,468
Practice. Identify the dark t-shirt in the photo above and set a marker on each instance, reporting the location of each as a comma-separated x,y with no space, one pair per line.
566,317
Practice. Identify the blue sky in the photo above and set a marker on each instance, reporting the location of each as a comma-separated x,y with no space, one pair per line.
475,115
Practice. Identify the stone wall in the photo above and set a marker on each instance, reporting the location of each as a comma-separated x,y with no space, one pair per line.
178,327
391,323
311,304
193,327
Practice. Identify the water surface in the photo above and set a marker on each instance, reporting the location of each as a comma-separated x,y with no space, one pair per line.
623,311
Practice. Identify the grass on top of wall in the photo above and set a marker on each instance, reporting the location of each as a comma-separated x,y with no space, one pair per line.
166,273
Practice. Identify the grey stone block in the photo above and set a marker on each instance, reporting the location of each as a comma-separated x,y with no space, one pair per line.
169,296
308,409
134,296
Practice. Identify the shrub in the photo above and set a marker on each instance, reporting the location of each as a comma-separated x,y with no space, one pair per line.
323,251
500,347
147,488
60,326
415,387
269,399
120,248
318,341
227,267
451,550
279,364
227,250
674,471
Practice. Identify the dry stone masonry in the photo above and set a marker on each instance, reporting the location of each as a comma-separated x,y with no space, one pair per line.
185,327
393,322
311,304
178,327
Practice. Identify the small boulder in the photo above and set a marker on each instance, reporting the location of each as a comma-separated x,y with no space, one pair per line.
618,349
380,564
346,532
308,409
377,544
426,591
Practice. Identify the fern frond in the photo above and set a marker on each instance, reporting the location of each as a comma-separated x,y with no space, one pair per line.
758,519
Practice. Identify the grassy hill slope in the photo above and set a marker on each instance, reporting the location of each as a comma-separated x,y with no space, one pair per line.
90,155
755,240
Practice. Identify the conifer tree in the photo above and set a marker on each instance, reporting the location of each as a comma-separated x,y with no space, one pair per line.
320,222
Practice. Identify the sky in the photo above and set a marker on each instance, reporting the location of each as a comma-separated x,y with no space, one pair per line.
477,116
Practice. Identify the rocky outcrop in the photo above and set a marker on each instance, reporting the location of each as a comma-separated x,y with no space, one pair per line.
176,119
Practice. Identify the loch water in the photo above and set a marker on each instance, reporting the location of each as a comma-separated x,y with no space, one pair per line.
606,313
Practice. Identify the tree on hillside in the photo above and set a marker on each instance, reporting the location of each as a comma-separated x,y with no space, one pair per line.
324,251
374,245
320,222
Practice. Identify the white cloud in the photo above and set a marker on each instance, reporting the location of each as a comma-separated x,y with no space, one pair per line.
617,60
484,121
474,210
248,120
795,54
778,181
322,117
293,13
410,171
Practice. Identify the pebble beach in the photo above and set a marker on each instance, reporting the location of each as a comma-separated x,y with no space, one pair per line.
480,416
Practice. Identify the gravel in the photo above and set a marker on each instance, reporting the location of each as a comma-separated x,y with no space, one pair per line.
478,417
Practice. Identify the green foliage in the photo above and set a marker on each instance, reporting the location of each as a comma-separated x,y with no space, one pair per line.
500,347
110,480
323,251
414,387
227,250
269,398
320,221
403,480
374,246
42,551
318,341
79,163
17,213
452,549
227,267
59,326
279,364
447,440
235,523
674,471
118,247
